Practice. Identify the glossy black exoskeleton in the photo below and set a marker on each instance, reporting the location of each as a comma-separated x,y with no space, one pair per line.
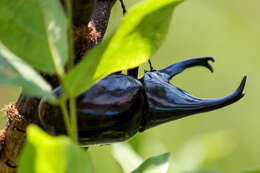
119,106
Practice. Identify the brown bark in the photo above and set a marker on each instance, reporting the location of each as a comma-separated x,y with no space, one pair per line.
25,110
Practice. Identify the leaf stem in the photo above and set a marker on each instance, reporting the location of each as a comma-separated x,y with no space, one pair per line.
65,115
72,100
73,114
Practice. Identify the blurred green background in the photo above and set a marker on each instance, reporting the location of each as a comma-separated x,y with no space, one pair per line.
227,139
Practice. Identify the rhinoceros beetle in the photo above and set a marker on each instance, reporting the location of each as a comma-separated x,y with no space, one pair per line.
119,106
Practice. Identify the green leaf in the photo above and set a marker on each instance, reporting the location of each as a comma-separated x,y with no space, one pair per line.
198,149
13,71
47,154
157,164
251,170
141,33
126,156
204,171
35,30
130,160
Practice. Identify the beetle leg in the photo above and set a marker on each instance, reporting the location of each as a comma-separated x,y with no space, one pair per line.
179,67
133,72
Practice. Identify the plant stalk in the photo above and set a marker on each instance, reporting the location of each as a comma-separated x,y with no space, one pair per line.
73,114
72,100
65,115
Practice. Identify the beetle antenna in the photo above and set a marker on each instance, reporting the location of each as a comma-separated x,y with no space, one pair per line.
123,6
150,65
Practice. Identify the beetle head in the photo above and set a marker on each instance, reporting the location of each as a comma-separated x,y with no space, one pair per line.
167,102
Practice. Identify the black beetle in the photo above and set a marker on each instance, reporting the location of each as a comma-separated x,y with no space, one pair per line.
119,106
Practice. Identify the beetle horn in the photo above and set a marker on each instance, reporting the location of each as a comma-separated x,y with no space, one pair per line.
167,102
179,67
